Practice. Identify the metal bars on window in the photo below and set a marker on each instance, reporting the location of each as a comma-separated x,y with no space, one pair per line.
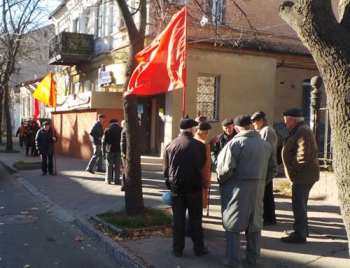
208,96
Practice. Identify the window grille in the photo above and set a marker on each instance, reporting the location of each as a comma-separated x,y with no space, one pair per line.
208,96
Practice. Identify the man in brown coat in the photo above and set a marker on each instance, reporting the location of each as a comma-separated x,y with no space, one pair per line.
300,159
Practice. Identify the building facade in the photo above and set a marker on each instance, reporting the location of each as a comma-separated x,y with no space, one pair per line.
232,68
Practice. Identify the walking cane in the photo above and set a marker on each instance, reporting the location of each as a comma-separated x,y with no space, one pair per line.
208,201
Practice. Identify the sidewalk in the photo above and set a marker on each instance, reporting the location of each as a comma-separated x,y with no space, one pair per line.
77,195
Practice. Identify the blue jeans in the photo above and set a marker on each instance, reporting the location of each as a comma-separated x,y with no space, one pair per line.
96,158
113,167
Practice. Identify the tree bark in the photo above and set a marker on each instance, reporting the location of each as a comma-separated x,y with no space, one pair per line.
134,204
329,43
1,109
9,143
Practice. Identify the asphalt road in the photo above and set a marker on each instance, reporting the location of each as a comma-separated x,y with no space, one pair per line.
32,237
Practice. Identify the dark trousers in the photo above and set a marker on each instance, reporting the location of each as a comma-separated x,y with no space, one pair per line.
22,140
300,196
46,163
180,203
269,204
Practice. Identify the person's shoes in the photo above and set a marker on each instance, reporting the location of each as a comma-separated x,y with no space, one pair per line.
107,182
118,182
269,223
122,188
291,232
100,170
44,173
293,239
90,171
202,252
177,253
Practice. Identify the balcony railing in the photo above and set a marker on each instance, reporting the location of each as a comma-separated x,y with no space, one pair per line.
70,48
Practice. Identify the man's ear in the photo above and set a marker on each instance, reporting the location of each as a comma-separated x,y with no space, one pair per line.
237,129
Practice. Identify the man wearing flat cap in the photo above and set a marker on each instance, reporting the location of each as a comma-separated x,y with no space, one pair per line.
44,141
96,133
202,134
111,152
268,134
245,164
184,159
300,160
219,141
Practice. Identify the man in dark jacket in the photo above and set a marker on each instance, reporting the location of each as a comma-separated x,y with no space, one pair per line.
219,141
44,142
184,159
300,160
96,133
111,151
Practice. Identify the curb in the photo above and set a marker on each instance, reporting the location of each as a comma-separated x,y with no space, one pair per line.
119,253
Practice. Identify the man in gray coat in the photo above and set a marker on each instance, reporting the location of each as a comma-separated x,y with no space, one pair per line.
244,166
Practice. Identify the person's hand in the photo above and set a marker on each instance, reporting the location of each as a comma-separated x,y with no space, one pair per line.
54,138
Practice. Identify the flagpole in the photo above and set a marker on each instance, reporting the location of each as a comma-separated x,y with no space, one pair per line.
184,88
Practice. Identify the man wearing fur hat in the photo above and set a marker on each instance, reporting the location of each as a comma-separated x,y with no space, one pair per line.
184,159
244,165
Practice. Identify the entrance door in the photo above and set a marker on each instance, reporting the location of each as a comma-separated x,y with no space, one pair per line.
151,112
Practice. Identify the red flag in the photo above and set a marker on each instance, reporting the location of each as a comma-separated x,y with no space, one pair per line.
36,110
46,91
162,64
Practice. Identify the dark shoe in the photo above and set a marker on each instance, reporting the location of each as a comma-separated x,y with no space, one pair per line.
202,252
118,182
90,171
294,239
122,188
177,253
44,173
100,170
291,232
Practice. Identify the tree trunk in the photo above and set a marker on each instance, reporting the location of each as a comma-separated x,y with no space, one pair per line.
9,144
134,204
329,43
1,109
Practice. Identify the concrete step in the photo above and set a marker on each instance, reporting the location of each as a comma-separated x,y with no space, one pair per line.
151,163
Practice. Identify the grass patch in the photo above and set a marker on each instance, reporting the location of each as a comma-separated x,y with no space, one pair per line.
282,188
153,217
120,226
22,165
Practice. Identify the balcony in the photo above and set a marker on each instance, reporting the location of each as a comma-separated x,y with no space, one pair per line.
70,48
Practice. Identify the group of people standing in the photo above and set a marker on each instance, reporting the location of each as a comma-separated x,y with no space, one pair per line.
27,133
244,158
108,144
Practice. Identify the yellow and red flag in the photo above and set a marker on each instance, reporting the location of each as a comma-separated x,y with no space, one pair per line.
162,64
46,91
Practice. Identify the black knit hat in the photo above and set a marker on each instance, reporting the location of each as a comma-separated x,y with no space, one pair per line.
258,115
187,123
294,112
243,120
204,126
227,122
113,121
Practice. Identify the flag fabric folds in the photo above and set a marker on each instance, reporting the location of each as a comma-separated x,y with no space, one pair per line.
36,110
162,64
46,91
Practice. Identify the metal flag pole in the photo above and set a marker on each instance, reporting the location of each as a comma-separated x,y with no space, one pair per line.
185,65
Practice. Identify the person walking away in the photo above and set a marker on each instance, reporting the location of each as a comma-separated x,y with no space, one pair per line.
35,129
184,159
21,131
29,136
96,133
111,152
300,160
201,135
268,134
219,141
44,141
244,165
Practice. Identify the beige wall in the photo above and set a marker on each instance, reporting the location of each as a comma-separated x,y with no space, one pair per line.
289,89
247,85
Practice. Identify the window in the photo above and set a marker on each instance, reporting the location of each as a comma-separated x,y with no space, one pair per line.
76,26
216,11
208,96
